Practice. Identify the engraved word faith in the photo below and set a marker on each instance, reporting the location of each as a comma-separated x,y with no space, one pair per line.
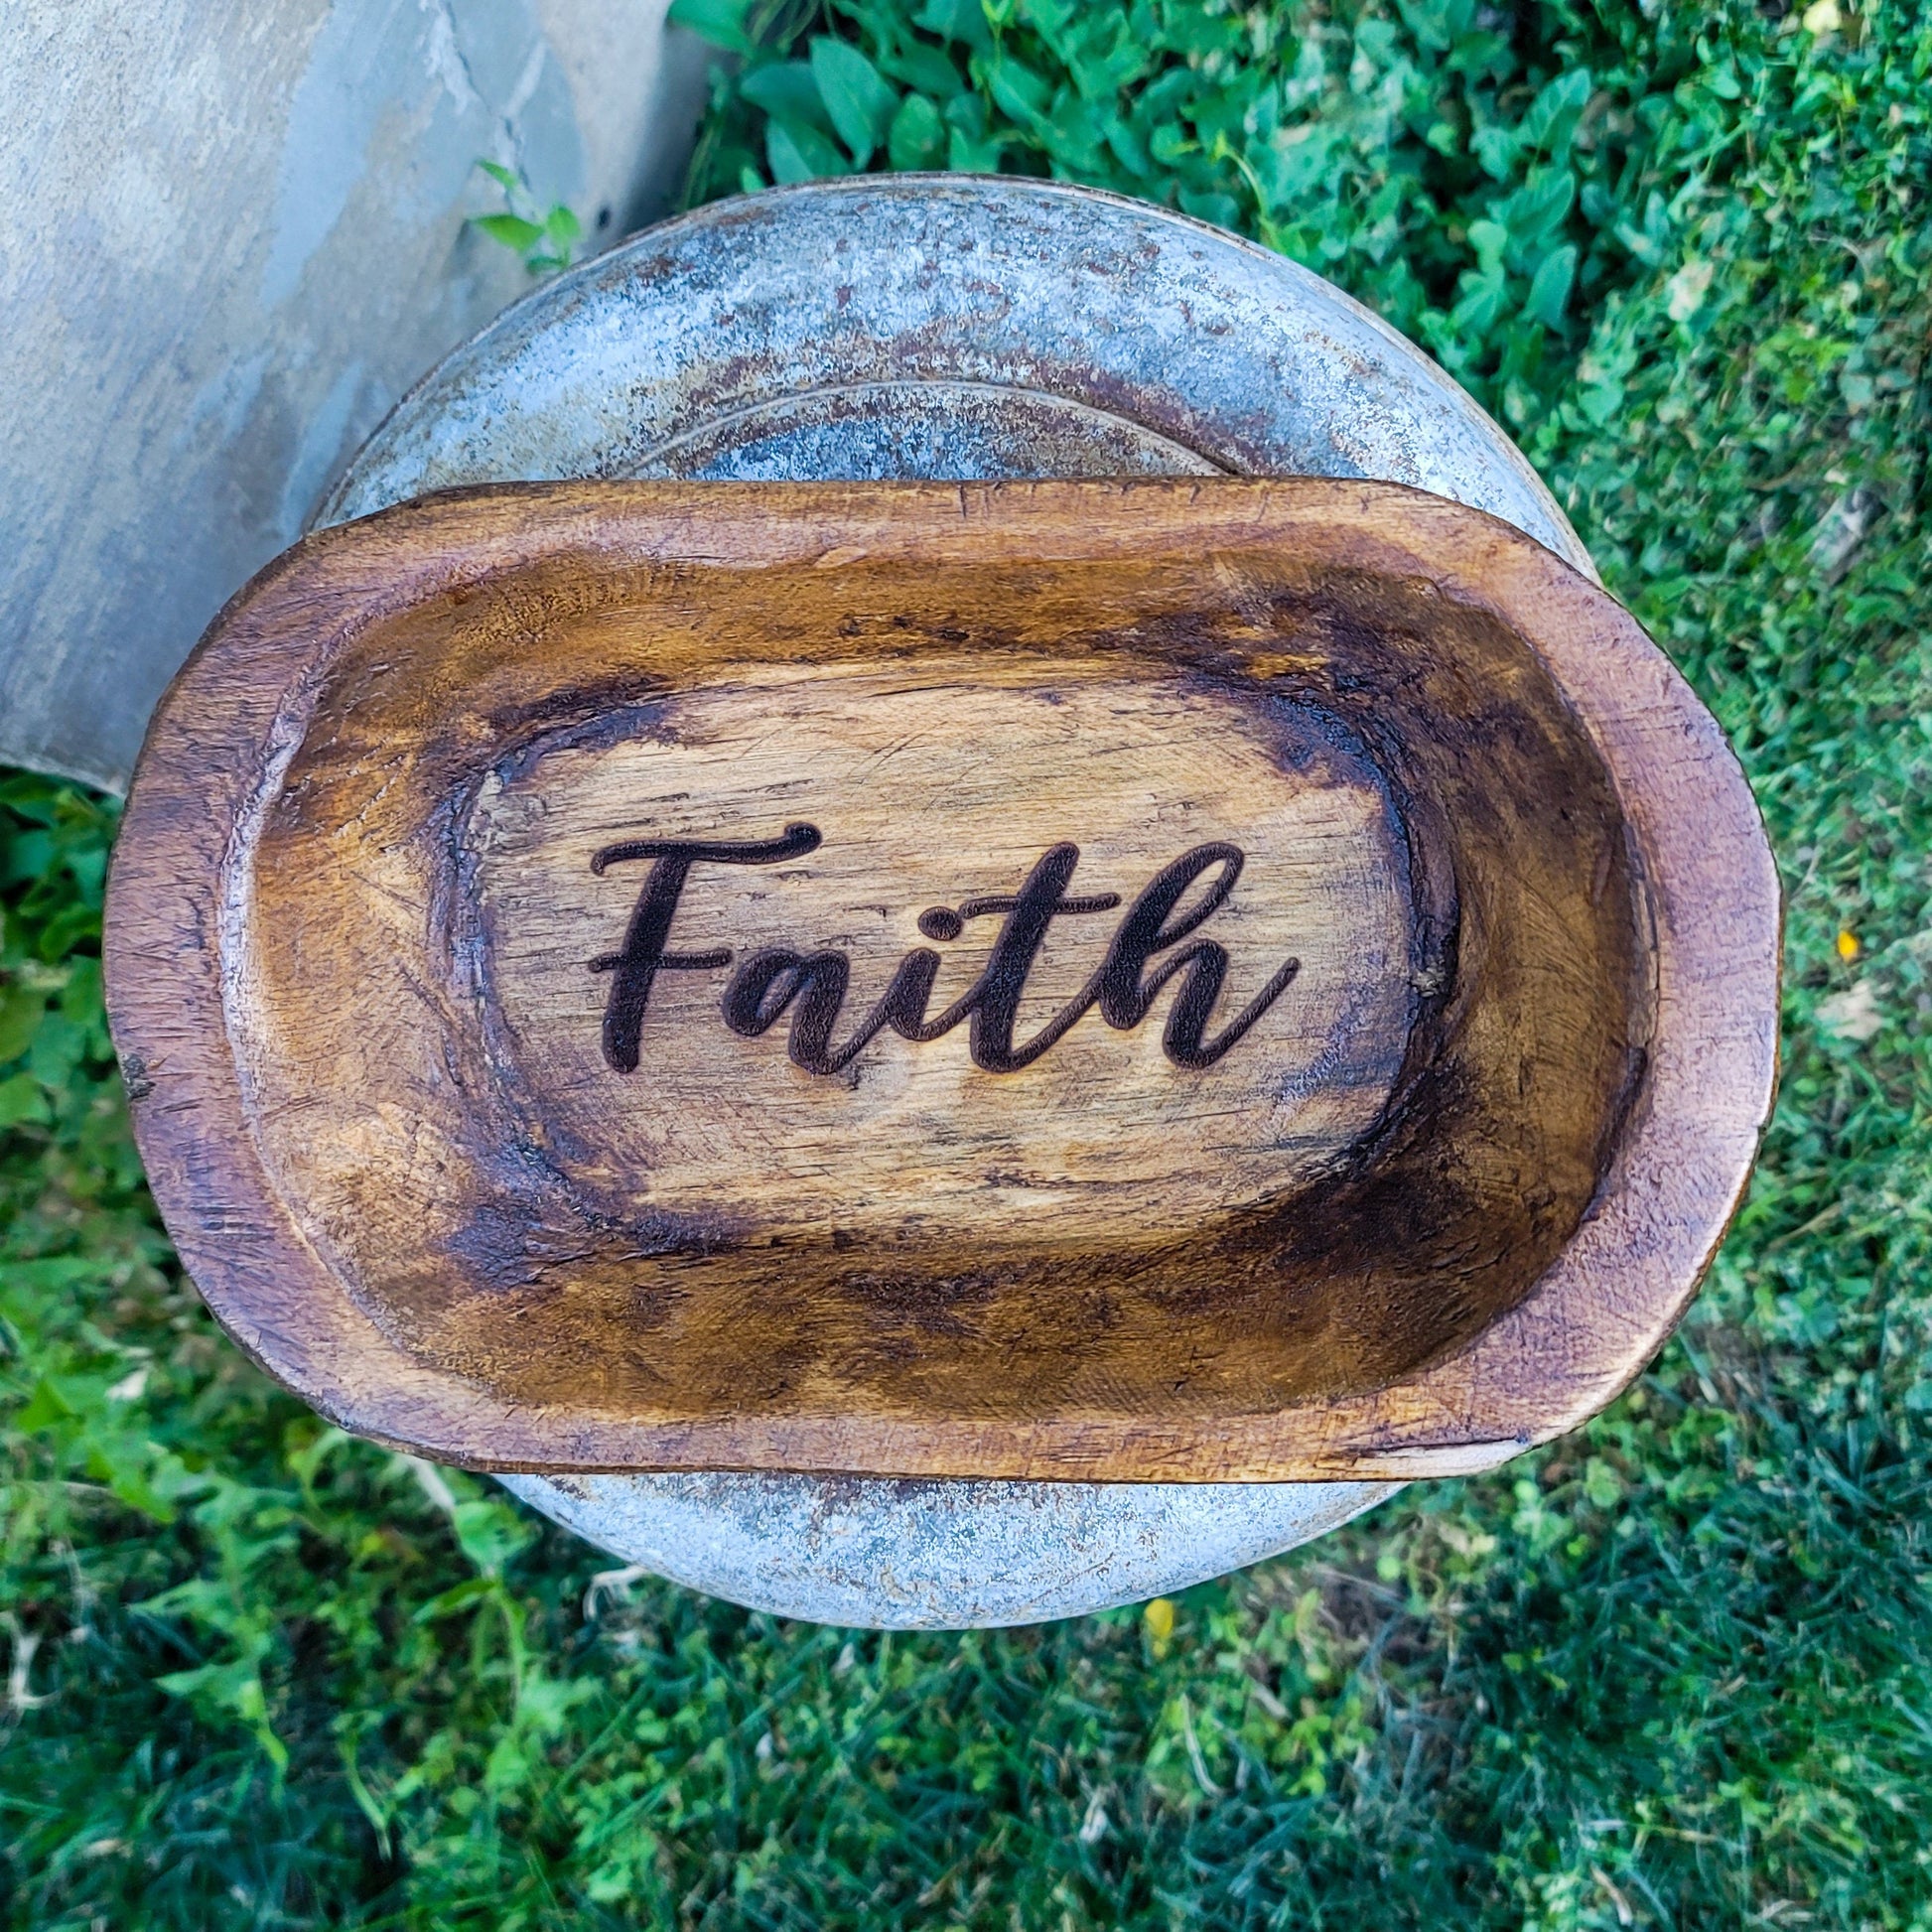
812,985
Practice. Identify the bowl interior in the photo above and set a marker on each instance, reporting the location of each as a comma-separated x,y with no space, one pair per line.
1169,1212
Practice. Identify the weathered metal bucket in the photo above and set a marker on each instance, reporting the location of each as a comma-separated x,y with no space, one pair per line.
957,329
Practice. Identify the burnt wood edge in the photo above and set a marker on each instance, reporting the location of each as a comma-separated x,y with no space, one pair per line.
1585,1330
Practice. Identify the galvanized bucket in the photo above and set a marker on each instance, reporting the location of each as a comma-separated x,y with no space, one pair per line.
954,328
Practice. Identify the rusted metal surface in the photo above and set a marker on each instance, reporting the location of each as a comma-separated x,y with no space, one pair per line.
944,327
951,327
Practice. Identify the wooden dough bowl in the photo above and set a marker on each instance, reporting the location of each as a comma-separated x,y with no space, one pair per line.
1119,981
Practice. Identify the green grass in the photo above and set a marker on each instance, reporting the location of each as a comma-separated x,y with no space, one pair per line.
1674,1670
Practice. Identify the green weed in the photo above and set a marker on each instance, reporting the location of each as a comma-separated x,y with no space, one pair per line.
544,238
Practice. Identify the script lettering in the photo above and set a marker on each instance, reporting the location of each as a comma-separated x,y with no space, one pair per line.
811,986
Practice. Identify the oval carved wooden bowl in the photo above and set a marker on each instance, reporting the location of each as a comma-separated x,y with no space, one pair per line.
1167,980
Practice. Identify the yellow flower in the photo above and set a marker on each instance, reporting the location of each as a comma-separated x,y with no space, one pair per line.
1848,943
1822,17
1159,1619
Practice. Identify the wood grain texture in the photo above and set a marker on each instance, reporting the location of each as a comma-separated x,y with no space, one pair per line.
1154,981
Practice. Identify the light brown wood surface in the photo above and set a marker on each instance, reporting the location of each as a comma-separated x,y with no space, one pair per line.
932,786
1390,1134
